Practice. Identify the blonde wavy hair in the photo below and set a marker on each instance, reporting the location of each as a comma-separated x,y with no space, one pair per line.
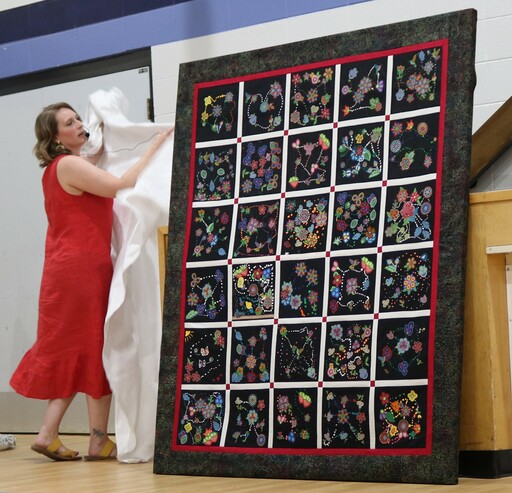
46,127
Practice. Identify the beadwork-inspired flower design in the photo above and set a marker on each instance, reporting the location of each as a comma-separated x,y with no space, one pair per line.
253,290
217,112
360,153
264,105
206,294
209,239
356,219
409,213
348,351
363,89
257,226
295,412
305,225
406,280
202,418
205,356
298,351
309,161
402,347
301,292
261,167
352,285
345,419
401,413
311,101
413,146
251,354
215,173
416,80
249,418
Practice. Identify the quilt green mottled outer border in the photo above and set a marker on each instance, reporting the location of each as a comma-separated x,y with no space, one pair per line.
441,465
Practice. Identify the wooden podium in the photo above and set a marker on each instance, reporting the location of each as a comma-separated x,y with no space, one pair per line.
486,407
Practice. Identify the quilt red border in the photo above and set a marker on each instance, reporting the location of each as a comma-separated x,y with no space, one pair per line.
190,263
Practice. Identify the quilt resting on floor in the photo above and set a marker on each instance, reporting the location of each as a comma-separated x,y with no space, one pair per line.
320,284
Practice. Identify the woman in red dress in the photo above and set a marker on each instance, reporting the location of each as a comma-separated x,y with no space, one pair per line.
67,355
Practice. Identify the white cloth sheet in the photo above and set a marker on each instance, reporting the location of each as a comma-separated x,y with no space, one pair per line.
134,322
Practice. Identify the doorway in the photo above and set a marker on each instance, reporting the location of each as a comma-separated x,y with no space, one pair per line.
23,221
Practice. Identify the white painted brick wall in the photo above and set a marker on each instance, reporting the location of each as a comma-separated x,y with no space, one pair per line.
493,48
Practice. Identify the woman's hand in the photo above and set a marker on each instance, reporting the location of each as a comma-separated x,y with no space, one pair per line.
160,138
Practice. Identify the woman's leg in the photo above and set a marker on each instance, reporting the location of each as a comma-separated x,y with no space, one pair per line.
51,422
99,410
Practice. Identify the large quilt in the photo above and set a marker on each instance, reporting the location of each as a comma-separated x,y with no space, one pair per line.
314,295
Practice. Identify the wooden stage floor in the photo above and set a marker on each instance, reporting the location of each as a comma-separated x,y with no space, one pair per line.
24,471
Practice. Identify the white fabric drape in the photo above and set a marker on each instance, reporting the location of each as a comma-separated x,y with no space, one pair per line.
134,323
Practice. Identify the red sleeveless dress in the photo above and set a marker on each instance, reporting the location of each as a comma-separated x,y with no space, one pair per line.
67,355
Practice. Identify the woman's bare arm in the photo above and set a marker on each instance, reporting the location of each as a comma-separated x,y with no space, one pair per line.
76,175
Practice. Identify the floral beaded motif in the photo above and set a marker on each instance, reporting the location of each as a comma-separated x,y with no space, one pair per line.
311,98
401,416
363,88
264,105
217,113
205,353
215,174
310,155
347,351
360,153
416,79
261,168
253,291
249,422
345,419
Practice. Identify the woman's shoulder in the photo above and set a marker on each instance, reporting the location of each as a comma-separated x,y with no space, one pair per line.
70,164
56,160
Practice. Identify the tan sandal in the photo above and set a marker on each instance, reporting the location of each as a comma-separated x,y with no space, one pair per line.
51,451
105,452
